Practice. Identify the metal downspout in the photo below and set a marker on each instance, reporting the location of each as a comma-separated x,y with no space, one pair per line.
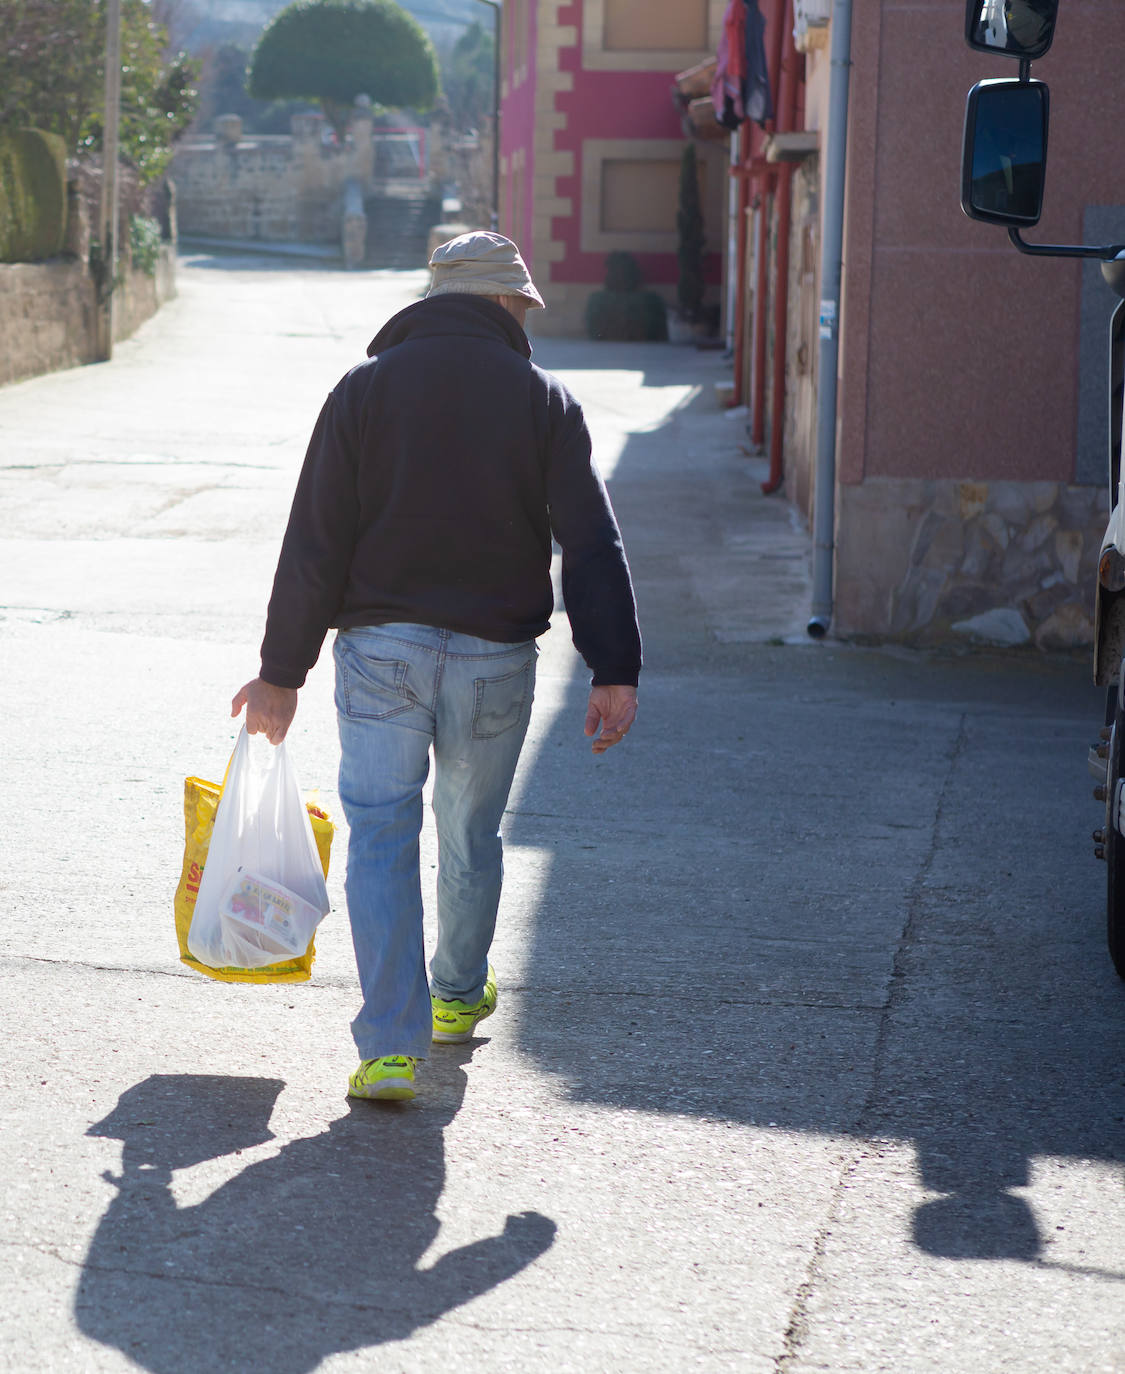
831,275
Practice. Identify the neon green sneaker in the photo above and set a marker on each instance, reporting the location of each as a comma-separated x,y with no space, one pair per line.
454,1022
390,1079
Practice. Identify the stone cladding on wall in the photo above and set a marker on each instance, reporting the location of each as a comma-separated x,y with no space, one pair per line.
48,309
932,560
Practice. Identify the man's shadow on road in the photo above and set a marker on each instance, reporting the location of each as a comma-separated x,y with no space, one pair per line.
310,1252
743,992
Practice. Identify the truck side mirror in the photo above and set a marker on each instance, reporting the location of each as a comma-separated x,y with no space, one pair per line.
1018,28
1004,154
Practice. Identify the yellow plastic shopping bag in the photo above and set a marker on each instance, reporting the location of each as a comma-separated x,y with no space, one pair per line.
245,888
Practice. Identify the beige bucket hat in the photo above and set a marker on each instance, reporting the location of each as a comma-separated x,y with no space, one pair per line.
481,264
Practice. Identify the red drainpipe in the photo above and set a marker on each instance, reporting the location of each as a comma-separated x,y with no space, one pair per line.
766,183
787,114
743,175
761,295
753,176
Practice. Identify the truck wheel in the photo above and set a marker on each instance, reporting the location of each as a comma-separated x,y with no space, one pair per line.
1115,845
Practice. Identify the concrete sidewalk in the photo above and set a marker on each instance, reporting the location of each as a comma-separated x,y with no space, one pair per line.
808,1051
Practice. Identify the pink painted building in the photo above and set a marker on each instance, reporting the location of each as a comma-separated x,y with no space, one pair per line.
591,141
970,492
971,412
972,404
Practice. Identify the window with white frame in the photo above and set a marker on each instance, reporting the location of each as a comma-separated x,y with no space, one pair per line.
649,35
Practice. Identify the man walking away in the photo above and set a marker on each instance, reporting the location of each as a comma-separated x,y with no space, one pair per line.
421,529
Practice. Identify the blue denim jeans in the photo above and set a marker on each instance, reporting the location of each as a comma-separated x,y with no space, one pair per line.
399,690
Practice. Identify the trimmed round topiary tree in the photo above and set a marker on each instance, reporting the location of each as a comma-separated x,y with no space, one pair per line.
334,50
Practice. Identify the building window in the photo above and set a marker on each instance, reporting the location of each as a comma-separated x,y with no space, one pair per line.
506,58
516,231
505,206
641,26
639,195
631,191
514,19
519,23
512,212
649,35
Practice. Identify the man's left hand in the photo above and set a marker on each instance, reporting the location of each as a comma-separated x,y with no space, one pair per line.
269,709
614,709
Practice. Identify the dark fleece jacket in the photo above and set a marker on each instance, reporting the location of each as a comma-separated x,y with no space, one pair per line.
435,478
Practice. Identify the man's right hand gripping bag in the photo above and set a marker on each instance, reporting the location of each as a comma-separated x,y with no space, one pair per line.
252,889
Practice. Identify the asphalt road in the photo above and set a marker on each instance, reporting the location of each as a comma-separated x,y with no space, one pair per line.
808,1055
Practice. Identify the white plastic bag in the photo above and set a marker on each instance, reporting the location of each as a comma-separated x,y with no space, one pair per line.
262,893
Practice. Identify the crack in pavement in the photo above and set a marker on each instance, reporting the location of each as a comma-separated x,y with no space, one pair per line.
797,1331
510,989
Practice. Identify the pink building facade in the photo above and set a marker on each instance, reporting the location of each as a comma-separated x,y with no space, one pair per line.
591,142
973,398
970,494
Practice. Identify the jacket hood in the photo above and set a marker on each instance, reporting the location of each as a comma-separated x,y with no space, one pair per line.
472,317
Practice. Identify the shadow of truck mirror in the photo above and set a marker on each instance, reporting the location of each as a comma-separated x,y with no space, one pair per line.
1017,28
1004,154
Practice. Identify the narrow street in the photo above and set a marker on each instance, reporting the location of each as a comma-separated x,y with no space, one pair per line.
808,1054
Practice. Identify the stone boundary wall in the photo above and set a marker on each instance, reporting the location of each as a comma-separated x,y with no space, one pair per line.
141,296
242,190
48,312
998,562
293,188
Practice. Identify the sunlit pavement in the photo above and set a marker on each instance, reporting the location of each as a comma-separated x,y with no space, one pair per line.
808,1054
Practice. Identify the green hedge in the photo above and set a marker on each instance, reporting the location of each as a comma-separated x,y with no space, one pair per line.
623,310
32,195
